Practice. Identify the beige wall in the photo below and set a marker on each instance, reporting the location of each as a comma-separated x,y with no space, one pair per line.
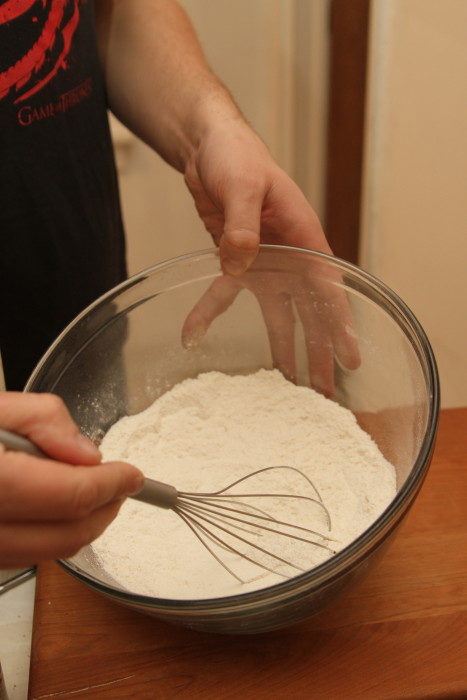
415,191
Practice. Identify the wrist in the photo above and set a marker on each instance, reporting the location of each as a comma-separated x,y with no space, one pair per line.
214,111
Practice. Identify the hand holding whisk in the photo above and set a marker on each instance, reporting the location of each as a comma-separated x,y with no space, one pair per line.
221,517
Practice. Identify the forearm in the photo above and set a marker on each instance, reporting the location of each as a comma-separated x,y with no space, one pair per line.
158,81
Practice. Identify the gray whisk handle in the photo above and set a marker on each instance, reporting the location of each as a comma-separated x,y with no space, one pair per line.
18,443
156,493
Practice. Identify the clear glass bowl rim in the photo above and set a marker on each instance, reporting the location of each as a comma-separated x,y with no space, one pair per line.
369,540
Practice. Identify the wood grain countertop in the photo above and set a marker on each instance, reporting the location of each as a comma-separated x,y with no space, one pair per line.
400,633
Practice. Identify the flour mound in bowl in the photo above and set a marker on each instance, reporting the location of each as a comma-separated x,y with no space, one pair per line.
207,432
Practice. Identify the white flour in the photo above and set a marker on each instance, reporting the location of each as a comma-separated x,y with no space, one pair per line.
209,431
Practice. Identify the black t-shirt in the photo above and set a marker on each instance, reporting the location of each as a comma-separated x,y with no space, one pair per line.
61,234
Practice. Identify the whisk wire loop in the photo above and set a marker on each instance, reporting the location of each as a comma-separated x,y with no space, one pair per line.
251,544
204,509
220,492
209,549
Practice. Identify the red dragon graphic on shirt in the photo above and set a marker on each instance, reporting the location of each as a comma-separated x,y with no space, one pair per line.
56,22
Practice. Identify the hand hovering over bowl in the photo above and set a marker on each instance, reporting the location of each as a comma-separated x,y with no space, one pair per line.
242,195
244,198
52,508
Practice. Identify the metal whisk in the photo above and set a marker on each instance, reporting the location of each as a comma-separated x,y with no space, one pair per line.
207,514
217,517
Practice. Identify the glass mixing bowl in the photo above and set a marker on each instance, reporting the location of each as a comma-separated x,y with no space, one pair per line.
125,350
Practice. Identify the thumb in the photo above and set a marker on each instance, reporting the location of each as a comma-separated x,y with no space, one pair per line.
239,243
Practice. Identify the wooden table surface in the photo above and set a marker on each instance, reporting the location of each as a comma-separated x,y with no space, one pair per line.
402,632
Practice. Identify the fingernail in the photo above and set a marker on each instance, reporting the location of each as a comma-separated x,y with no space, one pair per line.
192,339
87,446
137,484
346,349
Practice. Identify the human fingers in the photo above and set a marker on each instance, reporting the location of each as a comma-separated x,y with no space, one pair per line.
45,419
279,319
342,329
33,488
271,289
217,299
239,242
319,346
288,217
39,541
328,285
211,215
